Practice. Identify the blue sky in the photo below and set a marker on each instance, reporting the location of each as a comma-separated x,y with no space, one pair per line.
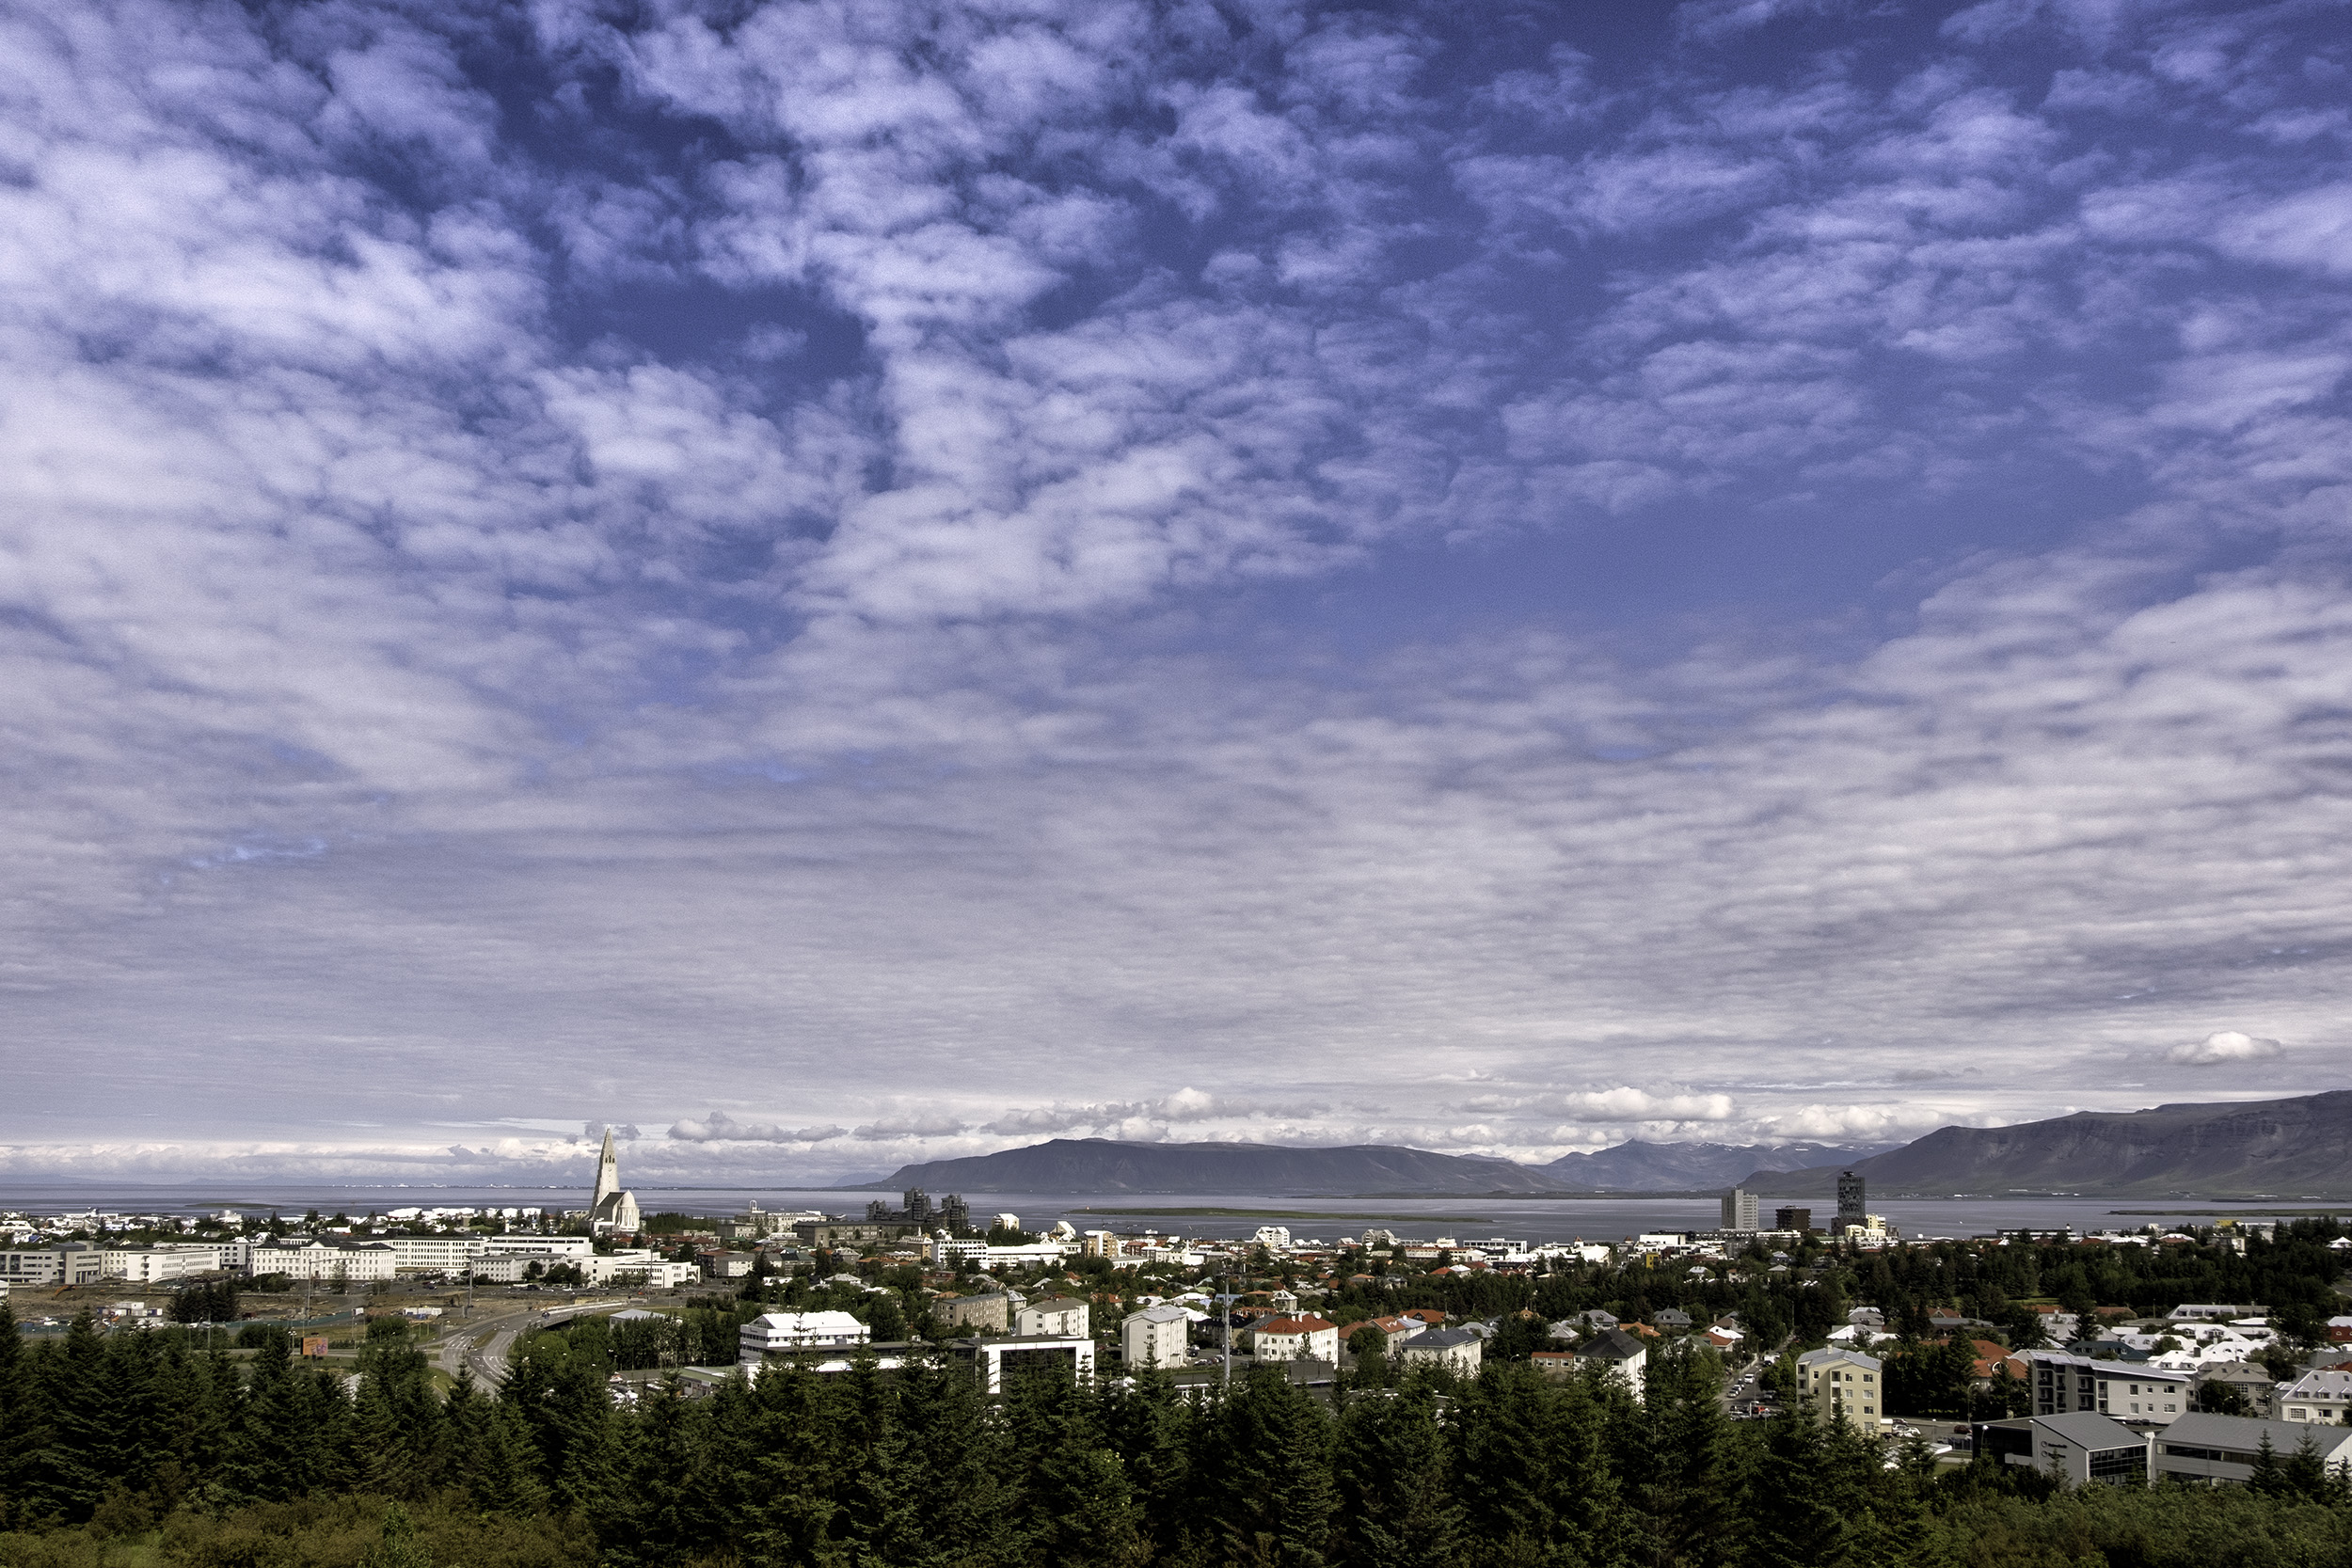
840,583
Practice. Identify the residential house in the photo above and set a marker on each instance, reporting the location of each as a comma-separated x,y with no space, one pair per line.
1622,1355
2211,1312
1673,1319
1996,1364
1843,1385
1295,1339
2316,1397
1554,1363
2251,1380
2083,1445
1457,1348
1398,1329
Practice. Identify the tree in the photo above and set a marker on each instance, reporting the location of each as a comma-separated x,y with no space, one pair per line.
1396,1508
1275,1498
2216,1397
1793,1514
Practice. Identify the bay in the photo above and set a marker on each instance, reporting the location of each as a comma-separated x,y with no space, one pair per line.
1227,1216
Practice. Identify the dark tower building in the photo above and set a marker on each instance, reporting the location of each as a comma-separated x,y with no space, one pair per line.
1850,1201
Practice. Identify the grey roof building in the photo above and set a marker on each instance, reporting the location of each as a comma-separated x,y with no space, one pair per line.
2198,1447
2086,1446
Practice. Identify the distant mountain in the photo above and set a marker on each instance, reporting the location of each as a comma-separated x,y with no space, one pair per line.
1104,1165
1646,1167
2270,1148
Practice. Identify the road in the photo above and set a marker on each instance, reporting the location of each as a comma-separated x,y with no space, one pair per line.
485,1343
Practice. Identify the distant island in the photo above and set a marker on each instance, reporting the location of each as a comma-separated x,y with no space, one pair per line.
2296,1147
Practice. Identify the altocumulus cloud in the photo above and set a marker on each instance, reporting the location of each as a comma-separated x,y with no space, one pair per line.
864,564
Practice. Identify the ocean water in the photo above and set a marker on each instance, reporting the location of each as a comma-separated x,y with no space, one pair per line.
1535,1219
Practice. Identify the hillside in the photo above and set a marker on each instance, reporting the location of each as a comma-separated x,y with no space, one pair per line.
1104,1165
1647,1167
2272,1147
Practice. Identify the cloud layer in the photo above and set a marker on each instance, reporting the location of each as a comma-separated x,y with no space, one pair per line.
858,582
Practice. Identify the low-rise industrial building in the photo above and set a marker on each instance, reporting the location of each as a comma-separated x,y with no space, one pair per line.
2209,1448
2082,1445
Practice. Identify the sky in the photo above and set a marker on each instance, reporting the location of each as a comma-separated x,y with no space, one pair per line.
833,584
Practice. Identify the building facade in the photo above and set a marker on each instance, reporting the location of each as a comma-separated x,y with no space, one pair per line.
2323,1396
1456,1348
1156,1336
1853,1201
1843,1385
1307,1338
2082,1445
1053,1318
2127,1391
781,1332
1741,1210
2224,1449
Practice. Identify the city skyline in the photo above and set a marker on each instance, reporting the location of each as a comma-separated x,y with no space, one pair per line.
841,585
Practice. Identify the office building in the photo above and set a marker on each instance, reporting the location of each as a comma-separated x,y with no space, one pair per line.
1852,1203
1740,1211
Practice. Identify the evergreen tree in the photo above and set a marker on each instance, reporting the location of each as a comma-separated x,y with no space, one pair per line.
1795,1518
959,1456
70,1469
1274,1498
20,1425
2266,1478
1396,1508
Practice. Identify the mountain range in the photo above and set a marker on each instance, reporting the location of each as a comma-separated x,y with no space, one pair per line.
1647,1167
1104,1165
2267,1148
2294,1148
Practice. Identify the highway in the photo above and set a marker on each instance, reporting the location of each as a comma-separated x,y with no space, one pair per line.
485,1343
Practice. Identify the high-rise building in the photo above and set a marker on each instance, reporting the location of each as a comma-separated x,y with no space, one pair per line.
1793,1219
1852,1204
1740,1211
955,1214
918,1207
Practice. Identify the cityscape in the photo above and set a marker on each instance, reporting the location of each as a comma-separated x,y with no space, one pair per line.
1176,783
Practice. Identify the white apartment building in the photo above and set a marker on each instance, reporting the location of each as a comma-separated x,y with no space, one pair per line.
1843,1385
1053,1318
352,1261
1459,1349
2323,1396
797,1331
1295,1339
1275,1238
436,1253
1156,1336
154,1265
947,1251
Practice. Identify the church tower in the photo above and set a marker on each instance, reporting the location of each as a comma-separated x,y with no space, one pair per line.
608,1175
614,1208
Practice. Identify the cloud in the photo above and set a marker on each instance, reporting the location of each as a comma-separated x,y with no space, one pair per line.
596,1130
718,1127
983,563
2224,1046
